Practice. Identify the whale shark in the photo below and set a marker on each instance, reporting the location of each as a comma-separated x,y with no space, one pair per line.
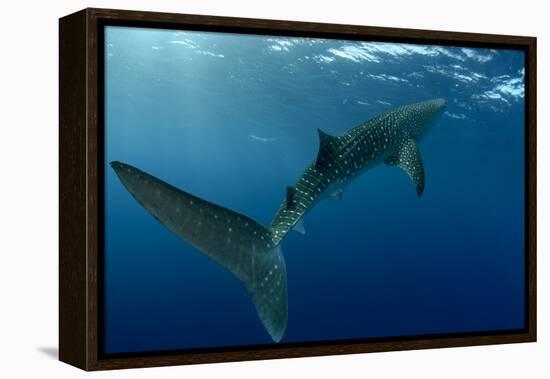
251,251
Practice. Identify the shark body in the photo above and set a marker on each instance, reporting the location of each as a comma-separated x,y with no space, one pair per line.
390,138
251,251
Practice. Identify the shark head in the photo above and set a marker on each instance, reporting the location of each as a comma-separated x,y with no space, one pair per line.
436,106
435,109
431,108
422,116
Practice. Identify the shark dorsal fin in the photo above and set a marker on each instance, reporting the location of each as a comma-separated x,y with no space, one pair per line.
290,191
327,145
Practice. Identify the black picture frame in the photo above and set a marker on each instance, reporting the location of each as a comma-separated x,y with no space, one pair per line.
81,186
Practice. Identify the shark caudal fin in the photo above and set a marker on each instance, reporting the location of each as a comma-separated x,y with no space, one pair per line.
233,240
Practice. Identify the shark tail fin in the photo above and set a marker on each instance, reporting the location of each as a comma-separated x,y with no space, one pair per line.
233,240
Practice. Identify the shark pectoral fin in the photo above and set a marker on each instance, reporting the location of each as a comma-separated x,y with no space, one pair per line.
409,159
299,227
327,145
233,240
337,194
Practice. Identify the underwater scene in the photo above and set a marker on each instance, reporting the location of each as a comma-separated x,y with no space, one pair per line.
272,190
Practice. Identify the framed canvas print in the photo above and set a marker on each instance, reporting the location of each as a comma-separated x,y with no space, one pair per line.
235,189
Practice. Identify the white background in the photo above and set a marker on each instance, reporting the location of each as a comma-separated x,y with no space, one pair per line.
29,177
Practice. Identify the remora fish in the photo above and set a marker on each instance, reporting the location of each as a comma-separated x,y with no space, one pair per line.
252,251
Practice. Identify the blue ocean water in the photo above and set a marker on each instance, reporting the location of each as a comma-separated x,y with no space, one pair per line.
233,119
